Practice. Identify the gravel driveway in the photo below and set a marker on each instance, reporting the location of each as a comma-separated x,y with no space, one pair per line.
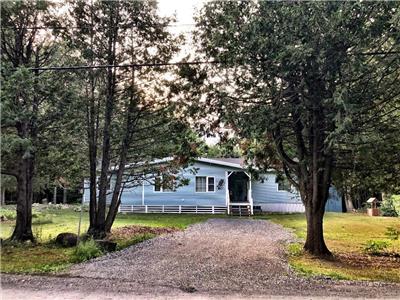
224,257
218,254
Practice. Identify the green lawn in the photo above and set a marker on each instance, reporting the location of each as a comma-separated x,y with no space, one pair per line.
346,236
46,257
67,220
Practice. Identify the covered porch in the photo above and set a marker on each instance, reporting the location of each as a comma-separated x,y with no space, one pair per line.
239,200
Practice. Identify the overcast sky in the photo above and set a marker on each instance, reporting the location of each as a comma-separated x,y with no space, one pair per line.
184,9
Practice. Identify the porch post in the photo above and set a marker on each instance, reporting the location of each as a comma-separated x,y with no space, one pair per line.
250,195
227,192
143,191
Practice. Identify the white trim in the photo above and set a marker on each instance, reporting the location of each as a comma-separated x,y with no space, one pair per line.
142,192
249,202
219,162
213,177
174,209
199,159
206,191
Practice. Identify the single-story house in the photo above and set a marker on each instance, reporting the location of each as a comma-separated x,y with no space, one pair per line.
219,185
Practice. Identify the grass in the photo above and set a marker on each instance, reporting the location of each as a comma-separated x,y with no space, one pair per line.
41,258
46,257
346,235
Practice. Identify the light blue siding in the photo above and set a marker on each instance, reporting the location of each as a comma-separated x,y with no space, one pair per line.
266,191
334,203
184,195
263,192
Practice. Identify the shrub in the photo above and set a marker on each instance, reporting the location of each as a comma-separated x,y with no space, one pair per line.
392,233
7,214
41,219
376,247
390,206
396,203
85,251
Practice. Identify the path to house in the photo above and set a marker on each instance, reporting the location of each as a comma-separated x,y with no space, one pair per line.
221,258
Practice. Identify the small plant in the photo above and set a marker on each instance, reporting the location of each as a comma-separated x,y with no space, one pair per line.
41,219
376,247
392,233
295,249
135,240
85,251
38,233
7,214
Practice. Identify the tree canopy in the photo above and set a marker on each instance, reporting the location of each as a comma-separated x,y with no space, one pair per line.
294,81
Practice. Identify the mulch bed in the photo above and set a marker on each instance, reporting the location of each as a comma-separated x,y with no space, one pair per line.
362,261
133,230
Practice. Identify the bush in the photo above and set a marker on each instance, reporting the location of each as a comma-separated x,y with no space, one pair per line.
85,251
41,219
376,247
7,214
391,206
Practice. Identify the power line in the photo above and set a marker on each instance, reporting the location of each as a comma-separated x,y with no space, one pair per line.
82,67
163,64
90,27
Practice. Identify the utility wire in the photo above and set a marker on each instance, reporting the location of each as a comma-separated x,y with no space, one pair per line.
89,27
163,64
70,68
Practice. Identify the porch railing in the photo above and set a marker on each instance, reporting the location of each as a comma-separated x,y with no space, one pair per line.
173,209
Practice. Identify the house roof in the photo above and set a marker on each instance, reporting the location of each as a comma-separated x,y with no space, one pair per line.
228,162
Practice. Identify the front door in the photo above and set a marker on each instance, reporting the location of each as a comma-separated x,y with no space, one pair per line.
238,182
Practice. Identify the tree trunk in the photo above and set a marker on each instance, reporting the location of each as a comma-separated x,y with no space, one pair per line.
65,190
23,226
55,195
99,230
315,243
3,196
126,141
348,201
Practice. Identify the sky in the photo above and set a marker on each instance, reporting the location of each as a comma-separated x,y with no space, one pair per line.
184,9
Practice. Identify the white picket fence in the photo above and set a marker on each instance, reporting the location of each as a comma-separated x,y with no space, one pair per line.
173,209
283,207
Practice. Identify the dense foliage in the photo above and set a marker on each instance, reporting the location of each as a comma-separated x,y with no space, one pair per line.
307,86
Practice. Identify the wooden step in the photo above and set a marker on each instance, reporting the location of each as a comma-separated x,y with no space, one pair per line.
240,210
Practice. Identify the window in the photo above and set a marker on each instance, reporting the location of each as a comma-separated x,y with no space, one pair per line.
157,184
164,184
201,184
205,184
210,184
283,183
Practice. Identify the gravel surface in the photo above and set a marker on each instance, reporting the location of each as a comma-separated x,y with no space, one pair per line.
218,258
217,254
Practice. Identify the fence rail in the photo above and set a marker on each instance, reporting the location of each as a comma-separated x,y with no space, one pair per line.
173,209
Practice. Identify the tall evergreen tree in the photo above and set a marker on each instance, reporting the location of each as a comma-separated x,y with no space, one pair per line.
291,79
130,117
32,101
